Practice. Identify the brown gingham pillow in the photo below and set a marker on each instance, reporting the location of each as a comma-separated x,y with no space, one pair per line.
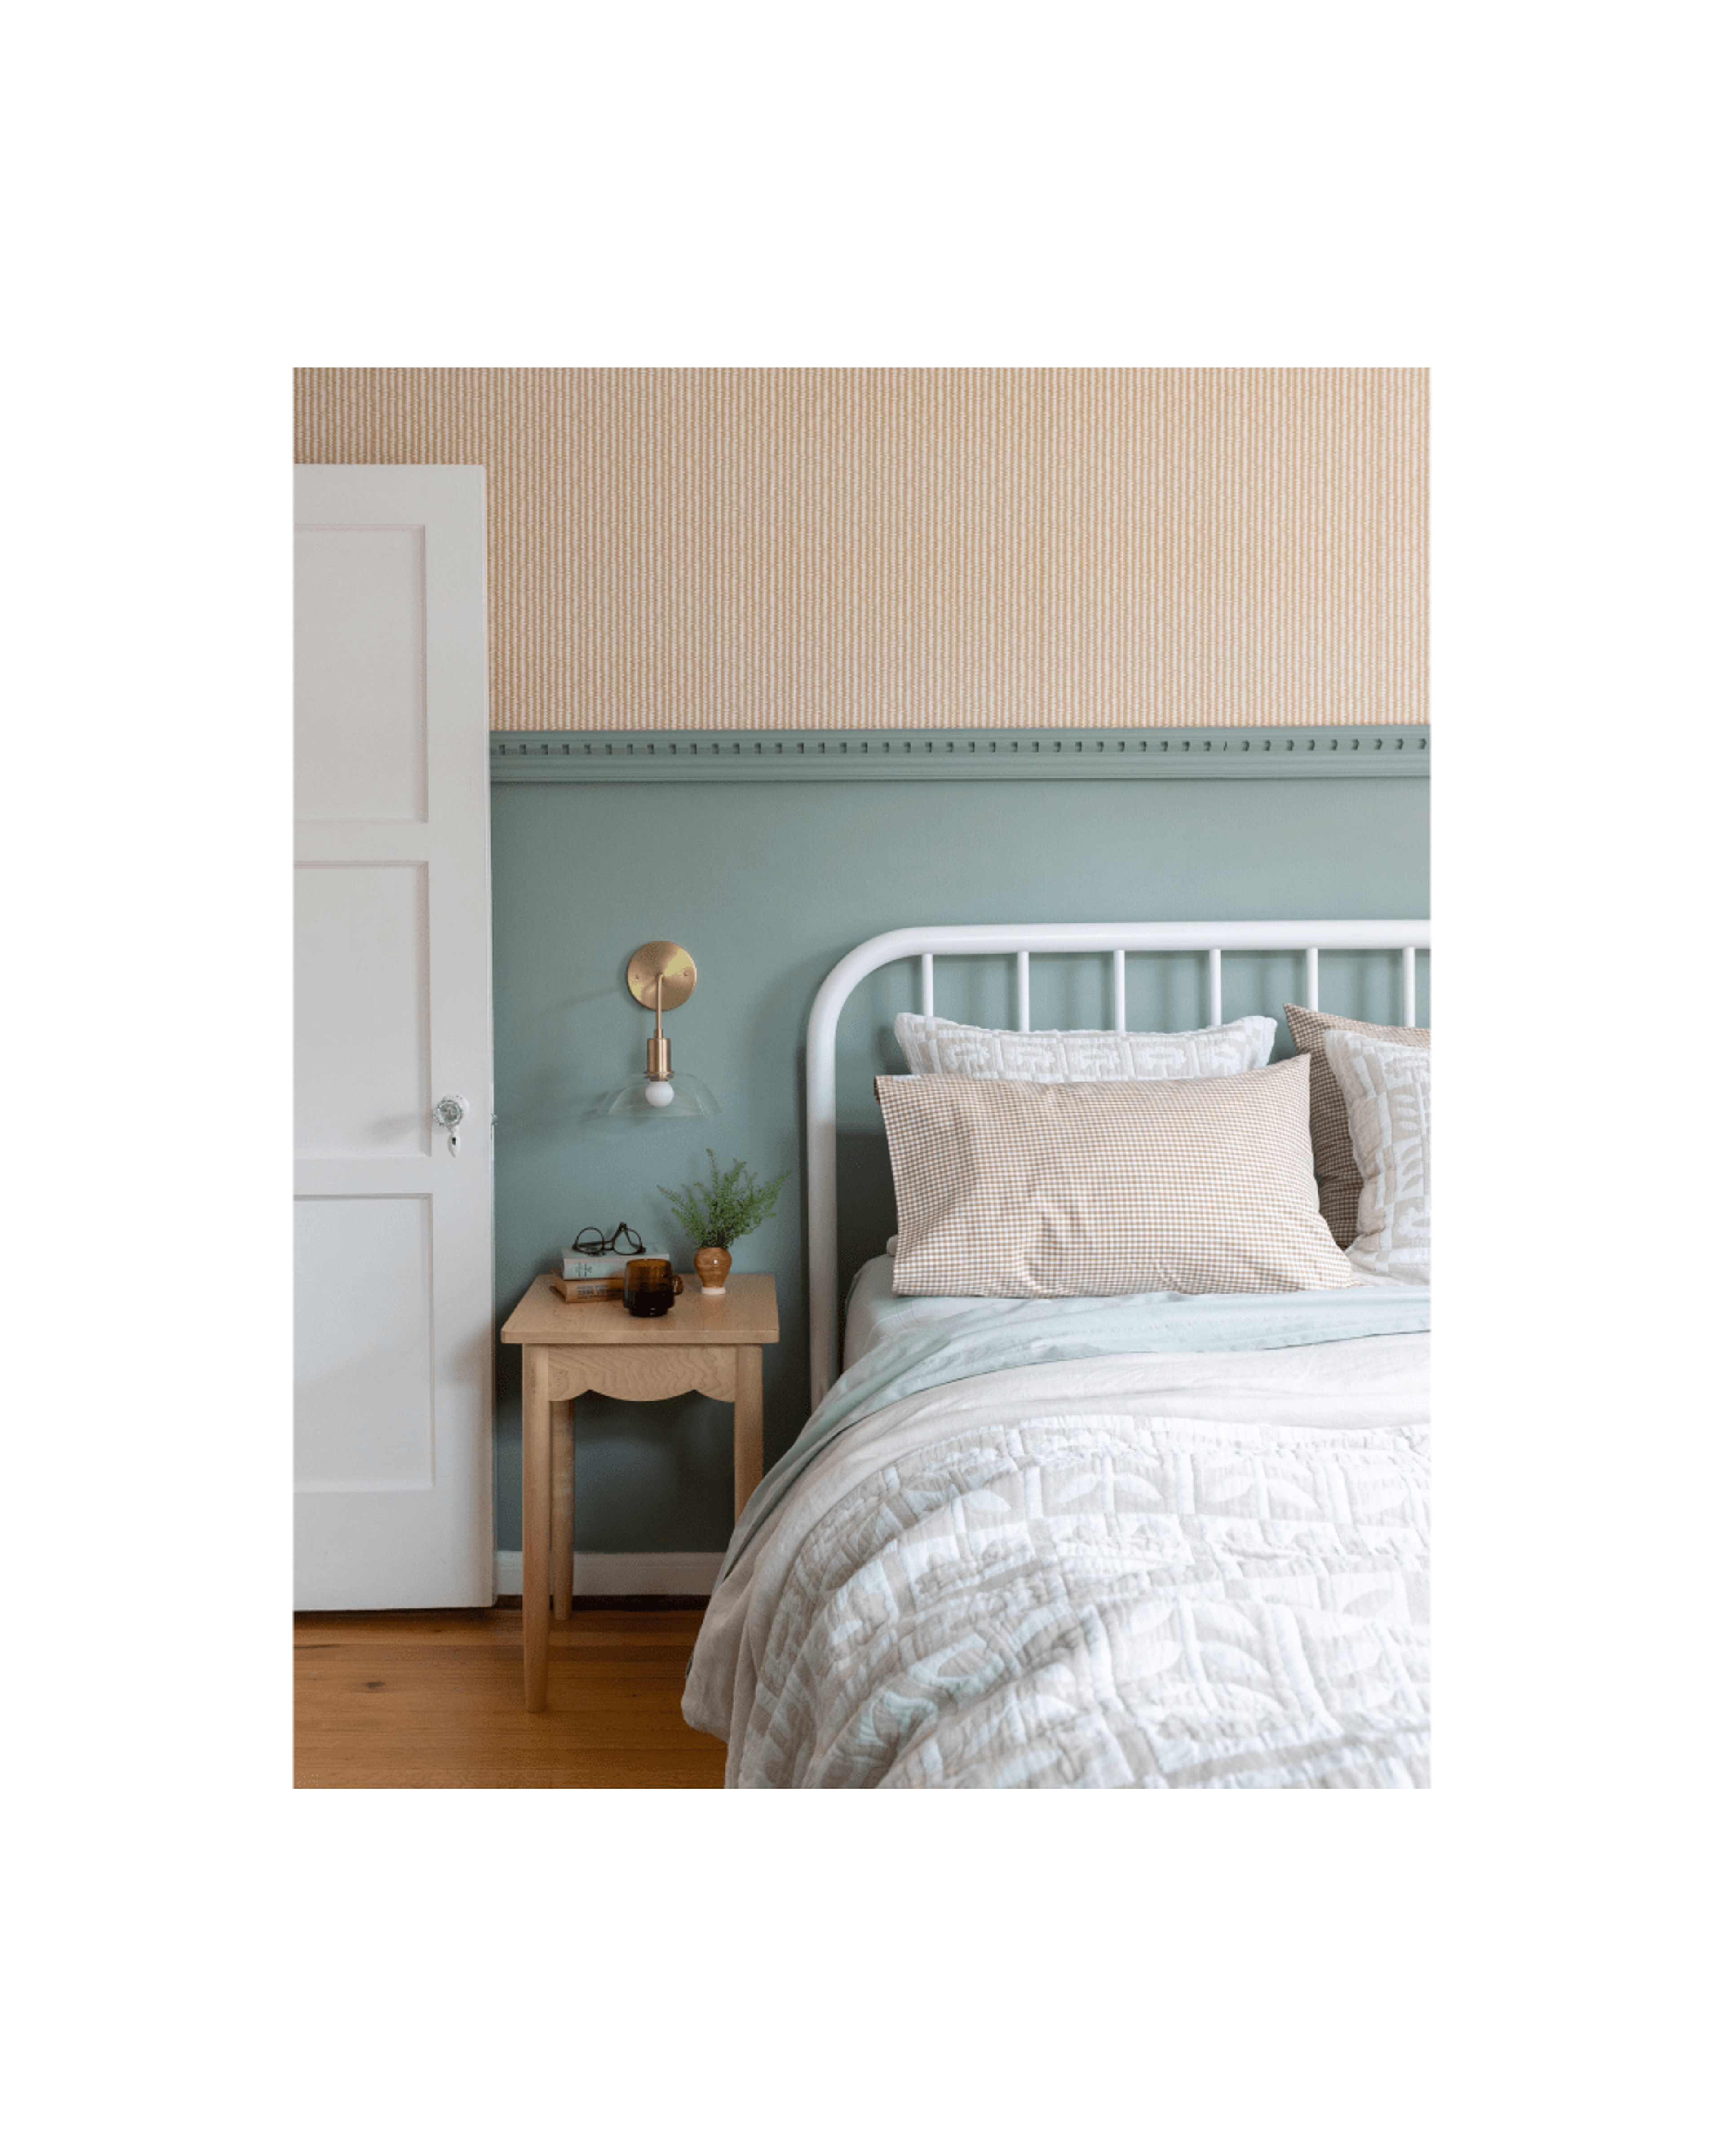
1200,1185
1337,1172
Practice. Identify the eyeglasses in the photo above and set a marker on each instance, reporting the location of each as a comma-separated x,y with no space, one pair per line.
592,1244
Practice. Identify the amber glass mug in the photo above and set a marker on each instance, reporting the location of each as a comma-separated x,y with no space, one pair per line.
649,1286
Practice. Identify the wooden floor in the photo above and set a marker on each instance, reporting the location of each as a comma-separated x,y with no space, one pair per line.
431,1699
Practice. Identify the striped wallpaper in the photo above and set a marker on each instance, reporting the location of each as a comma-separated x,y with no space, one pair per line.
927,547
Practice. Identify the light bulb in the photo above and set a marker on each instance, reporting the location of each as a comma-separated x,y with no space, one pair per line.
660,1093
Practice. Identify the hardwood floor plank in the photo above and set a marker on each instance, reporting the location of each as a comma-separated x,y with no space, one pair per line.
431,1699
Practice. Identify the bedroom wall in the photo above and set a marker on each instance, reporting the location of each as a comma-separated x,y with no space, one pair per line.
857,547
767,885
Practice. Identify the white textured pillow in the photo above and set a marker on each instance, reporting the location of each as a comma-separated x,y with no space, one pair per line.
1200,1185
936,1048
1387,1087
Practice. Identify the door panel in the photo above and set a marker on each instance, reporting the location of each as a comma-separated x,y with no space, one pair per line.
359,673
361,1009
394,1309
362,1345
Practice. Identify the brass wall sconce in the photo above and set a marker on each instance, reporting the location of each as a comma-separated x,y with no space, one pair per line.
661,978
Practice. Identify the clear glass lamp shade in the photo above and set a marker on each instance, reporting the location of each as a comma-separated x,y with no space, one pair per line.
658,1100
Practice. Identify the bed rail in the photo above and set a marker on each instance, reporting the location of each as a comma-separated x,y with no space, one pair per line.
1062,939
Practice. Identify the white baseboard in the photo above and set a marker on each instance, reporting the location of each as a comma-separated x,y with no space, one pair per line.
626,1572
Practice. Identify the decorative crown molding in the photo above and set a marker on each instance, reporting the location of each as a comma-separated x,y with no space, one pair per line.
967,753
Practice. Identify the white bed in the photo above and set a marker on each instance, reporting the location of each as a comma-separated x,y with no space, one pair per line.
1155,1541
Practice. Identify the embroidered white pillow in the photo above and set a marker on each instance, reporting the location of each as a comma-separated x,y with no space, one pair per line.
937,1048
1200,1185
1332,1149
1387,1087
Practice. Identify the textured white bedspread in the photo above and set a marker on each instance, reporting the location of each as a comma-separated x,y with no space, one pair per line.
1166,1571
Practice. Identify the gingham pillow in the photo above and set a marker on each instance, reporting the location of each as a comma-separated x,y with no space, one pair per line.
1387,1087
1332,1149
1200,1185
936,1047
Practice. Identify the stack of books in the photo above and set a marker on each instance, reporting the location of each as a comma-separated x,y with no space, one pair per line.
598,1280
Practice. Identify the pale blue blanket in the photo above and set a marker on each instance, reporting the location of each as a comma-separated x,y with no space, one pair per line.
975,1336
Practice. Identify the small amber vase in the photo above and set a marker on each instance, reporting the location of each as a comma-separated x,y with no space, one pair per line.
712,1265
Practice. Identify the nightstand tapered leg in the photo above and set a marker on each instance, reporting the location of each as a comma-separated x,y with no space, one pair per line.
535,1526
562,1503
746,1427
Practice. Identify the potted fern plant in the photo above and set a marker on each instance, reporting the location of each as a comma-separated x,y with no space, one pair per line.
720,1212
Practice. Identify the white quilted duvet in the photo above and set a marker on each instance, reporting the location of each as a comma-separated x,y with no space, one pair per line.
1154,1572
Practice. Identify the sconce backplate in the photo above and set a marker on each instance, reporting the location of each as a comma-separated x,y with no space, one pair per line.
673,961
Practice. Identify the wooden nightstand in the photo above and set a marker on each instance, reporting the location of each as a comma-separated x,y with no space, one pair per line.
705,1343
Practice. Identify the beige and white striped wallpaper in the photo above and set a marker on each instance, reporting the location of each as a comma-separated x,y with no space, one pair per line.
927,547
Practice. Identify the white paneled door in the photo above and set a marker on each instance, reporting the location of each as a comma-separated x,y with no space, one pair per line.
393,1297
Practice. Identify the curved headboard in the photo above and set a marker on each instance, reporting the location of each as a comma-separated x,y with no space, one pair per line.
1065,938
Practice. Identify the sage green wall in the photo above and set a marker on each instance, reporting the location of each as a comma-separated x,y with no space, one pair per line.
769,886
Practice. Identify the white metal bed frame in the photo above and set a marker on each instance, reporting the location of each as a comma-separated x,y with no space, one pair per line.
1065,939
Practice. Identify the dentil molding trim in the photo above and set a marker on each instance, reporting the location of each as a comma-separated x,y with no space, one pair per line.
966,753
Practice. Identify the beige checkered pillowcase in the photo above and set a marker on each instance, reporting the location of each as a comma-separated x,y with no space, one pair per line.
1200,1185
1337,1172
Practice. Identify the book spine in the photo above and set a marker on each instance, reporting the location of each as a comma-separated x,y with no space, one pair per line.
593,1290
608,1266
